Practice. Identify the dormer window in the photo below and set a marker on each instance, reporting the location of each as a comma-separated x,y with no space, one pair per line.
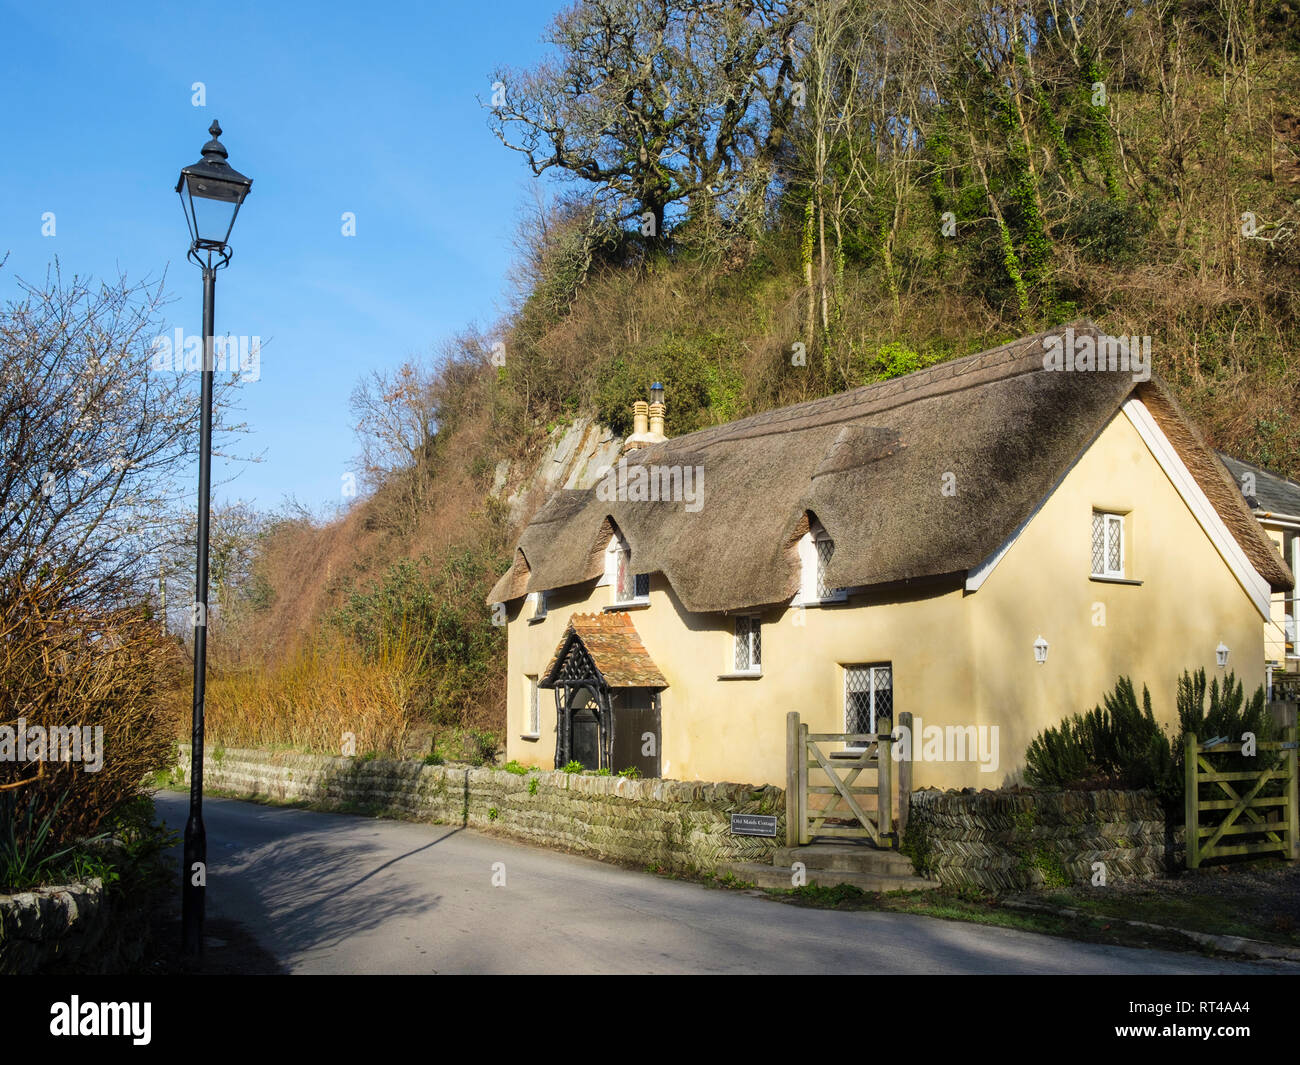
825,547
630,587
815,551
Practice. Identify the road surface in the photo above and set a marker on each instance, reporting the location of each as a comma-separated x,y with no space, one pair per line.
331,893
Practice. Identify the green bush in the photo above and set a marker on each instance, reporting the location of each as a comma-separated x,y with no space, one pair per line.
1117,745
442,604
1120,745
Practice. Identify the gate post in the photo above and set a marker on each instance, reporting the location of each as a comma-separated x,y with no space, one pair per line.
804,837
905,774
792,779
1292,793
885,786
1191,805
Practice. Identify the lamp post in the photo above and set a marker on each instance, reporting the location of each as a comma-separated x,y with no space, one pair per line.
211,192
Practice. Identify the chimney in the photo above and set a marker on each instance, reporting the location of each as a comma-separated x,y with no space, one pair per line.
647,420
657,411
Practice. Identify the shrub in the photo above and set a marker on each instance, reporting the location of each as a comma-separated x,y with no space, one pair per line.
98,677
1119,745
1115,745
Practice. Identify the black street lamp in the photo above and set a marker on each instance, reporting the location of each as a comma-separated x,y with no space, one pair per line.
211,192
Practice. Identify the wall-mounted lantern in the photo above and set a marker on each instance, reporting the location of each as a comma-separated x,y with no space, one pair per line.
1040,651
1221,654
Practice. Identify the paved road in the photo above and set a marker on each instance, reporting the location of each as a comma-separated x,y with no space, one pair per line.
329,893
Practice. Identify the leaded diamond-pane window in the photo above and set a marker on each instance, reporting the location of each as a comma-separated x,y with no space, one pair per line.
868,697
625,585
749,651
534,708
825,548
643,586
1107,544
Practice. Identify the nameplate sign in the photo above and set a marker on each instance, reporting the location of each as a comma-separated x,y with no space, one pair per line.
753,825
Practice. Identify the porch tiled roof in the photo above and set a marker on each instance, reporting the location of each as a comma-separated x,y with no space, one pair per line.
615,646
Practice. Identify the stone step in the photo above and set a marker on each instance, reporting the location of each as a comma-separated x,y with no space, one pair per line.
844,858
770,876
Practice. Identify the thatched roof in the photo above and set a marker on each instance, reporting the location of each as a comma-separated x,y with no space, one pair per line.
871,464
614,646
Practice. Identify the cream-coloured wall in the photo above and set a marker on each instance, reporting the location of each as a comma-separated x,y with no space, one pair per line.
734,729
959,658
1187,602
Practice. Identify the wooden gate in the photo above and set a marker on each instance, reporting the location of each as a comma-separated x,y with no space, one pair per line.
1269,823
814,767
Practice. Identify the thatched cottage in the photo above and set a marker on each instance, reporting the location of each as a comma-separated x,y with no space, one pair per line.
987,544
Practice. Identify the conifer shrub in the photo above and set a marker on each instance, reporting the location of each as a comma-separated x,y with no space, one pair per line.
1121,745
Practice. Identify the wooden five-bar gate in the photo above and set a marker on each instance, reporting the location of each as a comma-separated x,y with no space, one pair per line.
835,772
1268,824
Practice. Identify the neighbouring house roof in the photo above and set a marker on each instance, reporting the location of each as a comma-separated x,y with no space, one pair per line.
1274,494
871,464
614,646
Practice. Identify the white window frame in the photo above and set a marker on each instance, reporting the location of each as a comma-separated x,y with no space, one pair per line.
871,667
809,562
538,600
532,708
753,637
1110,521
616,549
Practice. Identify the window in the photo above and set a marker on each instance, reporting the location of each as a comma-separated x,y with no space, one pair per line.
825,548
1291,601
868,698
532,708
1107,544
815,551
629,586
749,647
539,604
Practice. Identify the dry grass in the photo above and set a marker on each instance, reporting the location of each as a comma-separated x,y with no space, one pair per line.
317,694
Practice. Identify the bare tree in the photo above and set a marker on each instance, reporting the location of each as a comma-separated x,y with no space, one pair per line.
654,102
92,437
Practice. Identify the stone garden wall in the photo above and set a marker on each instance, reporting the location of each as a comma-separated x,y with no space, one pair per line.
52,928
676,825
1011,841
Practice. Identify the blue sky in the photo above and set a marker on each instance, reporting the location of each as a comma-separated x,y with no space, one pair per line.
329,107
